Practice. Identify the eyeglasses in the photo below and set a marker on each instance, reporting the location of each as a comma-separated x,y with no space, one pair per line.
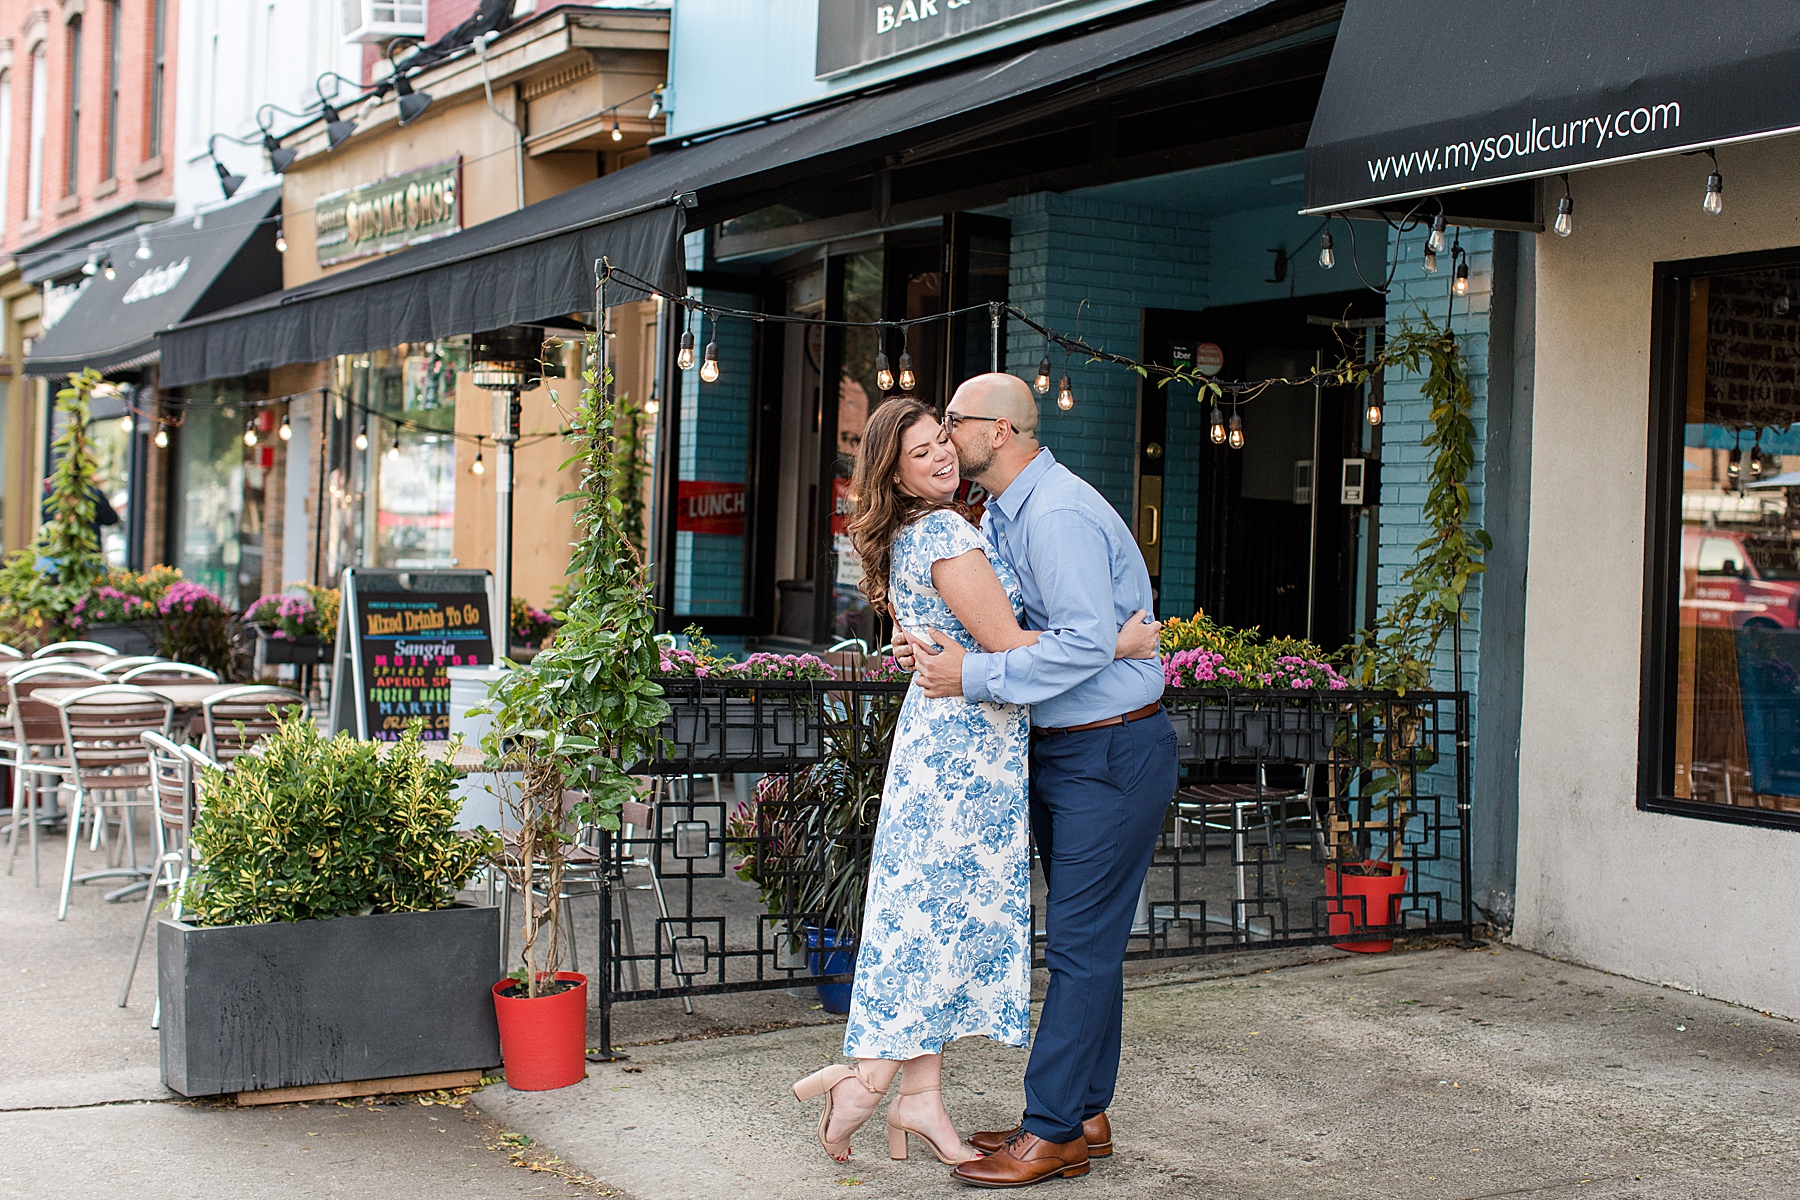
954,419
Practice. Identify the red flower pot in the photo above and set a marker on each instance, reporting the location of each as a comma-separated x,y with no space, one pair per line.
1380,896
543,1042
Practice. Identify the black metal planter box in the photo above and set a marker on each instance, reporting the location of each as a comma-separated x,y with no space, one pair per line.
304,651
127,637
248,1007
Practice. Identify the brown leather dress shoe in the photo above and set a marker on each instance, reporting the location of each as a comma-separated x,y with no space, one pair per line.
1096,1131
1025,1159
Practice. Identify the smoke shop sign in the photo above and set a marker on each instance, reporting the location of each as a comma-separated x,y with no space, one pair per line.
387,214
856,33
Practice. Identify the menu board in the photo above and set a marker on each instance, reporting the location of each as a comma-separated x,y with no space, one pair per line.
398,634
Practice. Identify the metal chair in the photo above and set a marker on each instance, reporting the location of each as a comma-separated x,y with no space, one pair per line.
173,778
119,666
160,670
7,651
109,766
35,747
56,649
238,718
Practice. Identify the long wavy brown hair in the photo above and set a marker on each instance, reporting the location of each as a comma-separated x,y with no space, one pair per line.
882,509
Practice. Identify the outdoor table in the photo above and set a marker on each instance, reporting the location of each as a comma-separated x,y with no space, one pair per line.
186,697
466,759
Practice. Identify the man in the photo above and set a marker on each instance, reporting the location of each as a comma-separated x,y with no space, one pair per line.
1102,762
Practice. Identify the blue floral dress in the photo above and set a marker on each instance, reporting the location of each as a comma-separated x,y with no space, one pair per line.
946,934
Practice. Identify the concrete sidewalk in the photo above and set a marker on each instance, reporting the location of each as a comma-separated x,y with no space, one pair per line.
1441,1073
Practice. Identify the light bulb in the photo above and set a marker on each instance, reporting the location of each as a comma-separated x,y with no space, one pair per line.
652,407
286,432
1714,204
616,135
362,437
125,424
91,267
1374,413
478,467
1731,463
1756,461
1783,303
907,378
1460,284
394,449
1218,427
884,375
143,250
250,434
1430,261
280,240
111,272
1435,240
1236,436
162,438
1327,256
685,359
1065,394
1042,382
1565,220
709,367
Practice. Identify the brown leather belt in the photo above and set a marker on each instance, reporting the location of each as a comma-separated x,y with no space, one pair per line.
1149,710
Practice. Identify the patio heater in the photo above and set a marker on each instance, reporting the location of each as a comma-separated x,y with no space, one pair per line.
505,362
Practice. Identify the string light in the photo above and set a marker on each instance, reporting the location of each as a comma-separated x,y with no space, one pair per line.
393,452
1714,202
1065,394
143,250
884,375
907,379
1565,212
1327,256
1732,468
1374,412
1459,280
91,267
111,272
362,437
478,467
1435,240
617,136
286,432
126,425
250,432
1217,432
709,366
685,358
1236,435
280,239
162,438
1430,261
1756,458
1042,383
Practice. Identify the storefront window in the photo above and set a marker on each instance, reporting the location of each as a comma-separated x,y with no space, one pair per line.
396,499
211,478
857,394
1733,564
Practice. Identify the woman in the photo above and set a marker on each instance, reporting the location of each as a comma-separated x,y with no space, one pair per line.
945,950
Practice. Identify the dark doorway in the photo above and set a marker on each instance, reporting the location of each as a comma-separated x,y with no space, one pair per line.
1276,548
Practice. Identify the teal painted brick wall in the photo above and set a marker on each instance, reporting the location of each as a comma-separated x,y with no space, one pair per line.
1120,259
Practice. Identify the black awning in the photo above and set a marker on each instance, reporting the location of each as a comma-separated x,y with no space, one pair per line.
1425,97
189,271
538,262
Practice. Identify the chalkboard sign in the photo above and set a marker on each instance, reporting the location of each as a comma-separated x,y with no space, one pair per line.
398,632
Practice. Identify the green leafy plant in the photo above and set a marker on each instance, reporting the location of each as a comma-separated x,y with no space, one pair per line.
631,464
197,628
41,584
325,827
587,706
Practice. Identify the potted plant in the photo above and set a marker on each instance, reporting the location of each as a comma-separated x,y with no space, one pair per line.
296,626
570,722
1200,653
727,718
320,941
197,627
805,839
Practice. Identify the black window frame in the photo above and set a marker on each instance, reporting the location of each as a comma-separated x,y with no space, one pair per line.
72,130
114,55
1669,333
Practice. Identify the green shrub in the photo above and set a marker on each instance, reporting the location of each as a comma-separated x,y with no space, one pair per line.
317,827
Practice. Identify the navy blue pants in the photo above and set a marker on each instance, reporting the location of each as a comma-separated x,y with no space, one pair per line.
1097,804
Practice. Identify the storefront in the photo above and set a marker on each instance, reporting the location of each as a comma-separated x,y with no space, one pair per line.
174,467
1658,788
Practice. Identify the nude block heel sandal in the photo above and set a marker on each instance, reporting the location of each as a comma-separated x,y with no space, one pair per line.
897,1134
820,1083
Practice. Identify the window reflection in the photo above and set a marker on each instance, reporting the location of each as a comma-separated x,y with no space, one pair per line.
1738,700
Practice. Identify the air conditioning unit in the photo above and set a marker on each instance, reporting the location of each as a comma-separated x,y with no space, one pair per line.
383,20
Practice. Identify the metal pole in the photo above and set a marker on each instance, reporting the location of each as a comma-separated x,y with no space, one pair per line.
506,435
994,336
1318,482
1462,812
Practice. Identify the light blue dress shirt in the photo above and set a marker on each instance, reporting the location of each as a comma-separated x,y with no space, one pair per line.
1082,574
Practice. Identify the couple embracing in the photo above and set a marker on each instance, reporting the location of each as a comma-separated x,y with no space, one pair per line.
1036,696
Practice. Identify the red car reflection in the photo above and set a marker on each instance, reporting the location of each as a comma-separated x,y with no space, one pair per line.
1737,579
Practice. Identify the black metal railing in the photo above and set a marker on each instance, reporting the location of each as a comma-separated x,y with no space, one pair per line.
1301,819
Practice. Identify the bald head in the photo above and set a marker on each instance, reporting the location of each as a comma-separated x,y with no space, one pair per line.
998,394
